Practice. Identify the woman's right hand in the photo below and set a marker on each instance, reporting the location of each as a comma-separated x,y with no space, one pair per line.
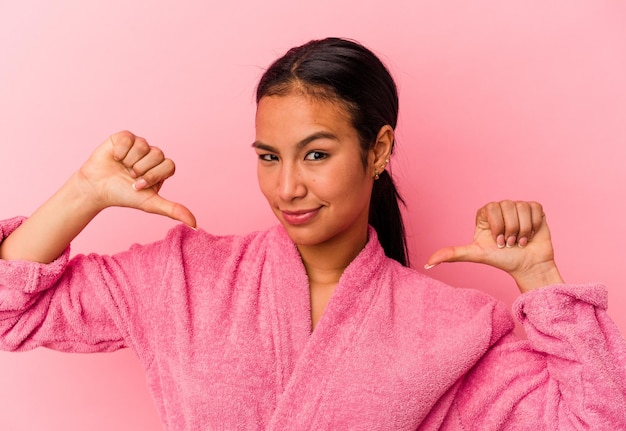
123,171
126,171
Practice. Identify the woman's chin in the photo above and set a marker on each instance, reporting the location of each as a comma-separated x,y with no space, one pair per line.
302,235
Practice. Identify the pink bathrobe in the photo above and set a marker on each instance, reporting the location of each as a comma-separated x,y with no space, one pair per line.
222,326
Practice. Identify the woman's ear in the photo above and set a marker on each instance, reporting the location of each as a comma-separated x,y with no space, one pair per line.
381,151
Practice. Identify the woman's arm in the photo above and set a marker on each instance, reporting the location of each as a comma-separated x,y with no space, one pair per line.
569,375
123,171
87,304
571,372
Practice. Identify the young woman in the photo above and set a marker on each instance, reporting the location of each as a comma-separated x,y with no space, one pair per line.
317,323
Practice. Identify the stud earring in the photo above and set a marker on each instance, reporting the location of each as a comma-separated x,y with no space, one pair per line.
382,167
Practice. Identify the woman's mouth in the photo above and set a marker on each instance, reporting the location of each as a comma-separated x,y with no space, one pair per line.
300,216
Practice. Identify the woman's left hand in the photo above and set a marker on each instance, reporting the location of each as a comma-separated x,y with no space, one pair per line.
511,236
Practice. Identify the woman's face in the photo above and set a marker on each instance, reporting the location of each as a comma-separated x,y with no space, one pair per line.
310,170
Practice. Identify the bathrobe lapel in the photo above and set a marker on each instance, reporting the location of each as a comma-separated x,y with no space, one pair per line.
305,360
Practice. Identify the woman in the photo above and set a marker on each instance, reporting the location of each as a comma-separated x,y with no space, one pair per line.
316,323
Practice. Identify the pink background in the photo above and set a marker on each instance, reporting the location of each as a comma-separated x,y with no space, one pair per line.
521,100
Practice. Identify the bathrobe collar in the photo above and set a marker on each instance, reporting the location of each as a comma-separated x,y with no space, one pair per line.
304,357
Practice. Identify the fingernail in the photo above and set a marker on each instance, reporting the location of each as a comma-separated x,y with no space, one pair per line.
500,241
195,229
522,242
510,242
428,266
140,184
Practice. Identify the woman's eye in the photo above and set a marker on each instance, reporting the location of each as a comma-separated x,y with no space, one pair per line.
315,155
268,157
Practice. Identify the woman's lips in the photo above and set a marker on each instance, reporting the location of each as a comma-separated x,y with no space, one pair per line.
299,217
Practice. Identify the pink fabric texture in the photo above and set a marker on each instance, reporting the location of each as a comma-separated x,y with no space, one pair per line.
222,326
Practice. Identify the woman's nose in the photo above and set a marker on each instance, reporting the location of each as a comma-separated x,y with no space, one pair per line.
291,184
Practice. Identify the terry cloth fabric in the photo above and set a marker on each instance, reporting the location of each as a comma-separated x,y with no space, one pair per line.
222,326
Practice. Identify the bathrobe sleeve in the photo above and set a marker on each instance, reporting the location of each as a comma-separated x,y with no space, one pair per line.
85,304
569,375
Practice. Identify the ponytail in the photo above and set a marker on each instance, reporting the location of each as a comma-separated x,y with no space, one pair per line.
386,218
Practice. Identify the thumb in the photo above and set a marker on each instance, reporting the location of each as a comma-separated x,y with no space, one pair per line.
158,205
462,253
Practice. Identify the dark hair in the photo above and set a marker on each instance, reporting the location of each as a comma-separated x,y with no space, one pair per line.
347,72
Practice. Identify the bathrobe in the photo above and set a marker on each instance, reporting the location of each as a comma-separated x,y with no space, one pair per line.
222,325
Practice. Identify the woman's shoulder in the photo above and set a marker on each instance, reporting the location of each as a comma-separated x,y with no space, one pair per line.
435,300
199,240
199,246
185,233
411,280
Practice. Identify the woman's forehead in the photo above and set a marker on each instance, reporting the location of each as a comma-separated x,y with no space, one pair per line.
301,106
294,116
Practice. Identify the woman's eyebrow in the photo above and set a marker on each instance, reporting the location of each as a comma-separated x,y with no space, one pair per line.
301,144
261,146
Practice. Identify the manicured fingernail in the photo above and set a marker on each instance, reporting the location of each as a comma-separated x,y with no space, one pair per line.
510,242
500,241
522,242
193,228
140,184
428,266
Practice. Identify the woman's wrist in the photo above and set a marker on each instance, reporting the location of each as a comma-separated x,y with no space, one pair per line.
540,275
49,230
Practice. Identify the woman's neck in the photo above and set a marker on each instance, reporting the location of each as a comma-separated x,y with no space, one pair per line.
326,262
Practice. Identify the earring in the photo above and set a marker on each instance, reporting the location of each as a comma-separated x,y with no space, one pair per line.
382,169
